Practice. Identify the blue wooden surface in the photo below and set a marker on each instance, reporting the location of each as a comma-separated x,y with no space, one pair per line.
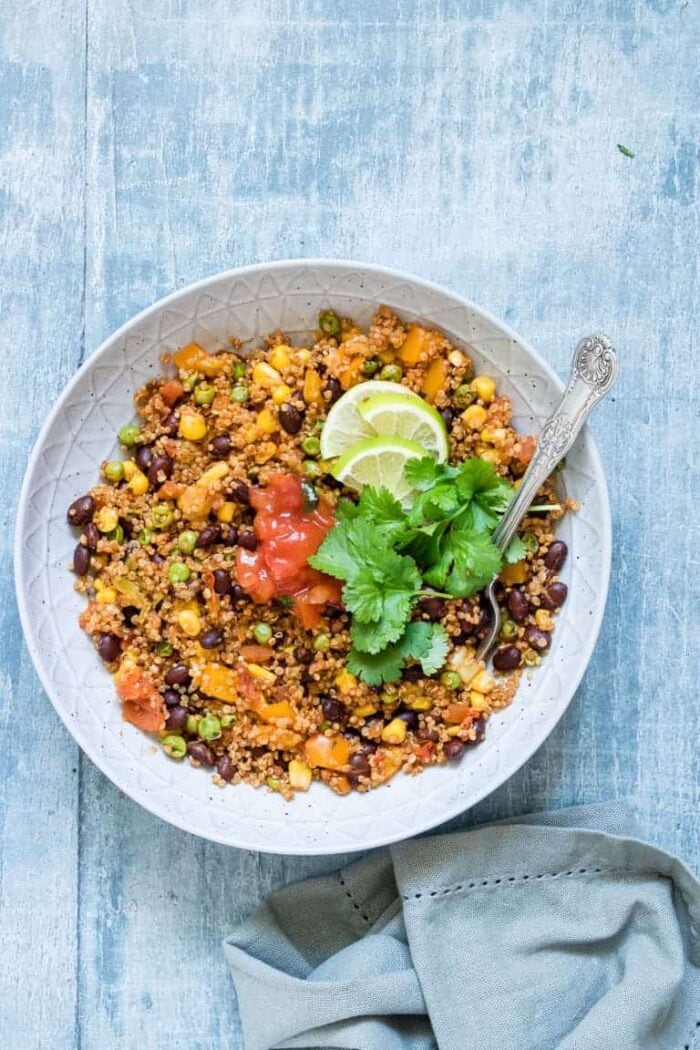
143,146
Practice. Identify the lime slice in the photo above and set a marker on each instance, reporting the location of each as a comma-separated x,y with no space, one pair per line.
407,417
344,426
378,461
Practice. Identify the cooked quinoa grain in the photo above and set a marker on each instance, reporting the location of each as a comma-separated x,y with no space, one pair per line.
254,685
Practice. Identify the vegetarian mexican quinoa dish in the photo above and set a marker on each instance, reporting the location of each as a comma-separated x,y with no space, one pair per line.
283,574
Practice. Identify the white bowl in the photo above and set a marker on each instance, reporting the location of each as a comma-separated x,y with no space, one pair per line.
81,431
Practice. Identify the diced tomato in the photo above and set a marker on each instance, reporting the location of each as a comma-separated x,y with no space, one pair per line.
525,448
171,391
257,654
142,704
288,534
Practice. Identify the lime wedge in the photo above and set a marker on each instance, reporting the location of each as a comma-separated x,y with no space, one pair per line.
378,461
344,426
407,417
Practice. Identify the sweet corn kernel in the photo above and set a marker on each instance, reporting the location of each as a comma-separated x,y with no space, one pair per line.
106,596
226,512
477,700
544,620
106,519
456,358
265,375
266,422
313,387
483,682
490,455
345,681
261,673
189,622
130,469
138,484
474,417
394,732
281,394
419,703
485,388
279,356
216,472
493,435
303,355
299,775
365,710
192,426
454,730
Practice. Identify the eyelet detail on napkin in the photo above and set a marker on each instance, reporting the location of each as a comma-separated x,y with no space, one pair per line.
352,900
520,878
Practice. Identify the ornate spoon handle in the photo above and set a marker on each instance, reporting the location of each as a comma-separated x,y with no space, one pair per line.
593,372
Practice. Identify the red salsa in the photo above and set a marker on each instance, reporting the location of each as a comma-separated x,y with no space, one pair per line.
288,531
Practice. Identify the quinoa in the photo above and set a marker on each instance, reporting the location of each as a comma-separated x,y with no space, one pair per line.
242,687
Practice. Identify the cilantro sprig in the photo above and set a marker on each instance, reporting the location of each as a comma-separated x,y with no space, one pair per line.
388,558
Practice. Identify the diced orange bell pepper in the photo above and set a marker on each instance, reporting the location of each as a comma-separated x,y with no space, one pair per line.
455,714
278,712
192,358
516,573
327,752
435,378
195,502
313,388
413,345
219,682
257,654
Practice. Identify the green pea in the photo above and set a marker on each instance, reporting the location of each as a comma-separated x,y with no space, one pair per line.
311,468
204,394
324,726
532,544
190,381
463,395
322,643
129,435
371,365
450,680
509,629
311,445
240,394
187,541
328,322
113,470
162,515
228,720
262,632
274,783
117,534
174,745
391,373
192,725
209,727
178,572
164,649
145,536
239,369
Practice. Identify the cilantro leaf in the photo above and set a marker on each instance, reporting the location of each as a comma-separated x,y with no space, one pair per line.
476,560
346,510
364,598
384,511
373,637
515,551
426,642
423,473
377,668
335,556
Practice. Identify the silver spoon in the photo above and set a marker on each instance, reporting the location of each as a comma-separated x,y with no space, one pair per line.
593,372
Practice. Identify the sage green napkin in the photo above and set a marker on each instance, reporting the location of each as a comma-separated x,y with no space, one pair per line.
552,931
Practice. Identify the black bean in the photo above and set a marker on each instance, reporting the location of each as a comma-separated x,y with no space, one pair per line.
537,639
228,535
212,638
333,710
237,592
303,655
414,673
225,768
517,606
239,492
143,458
454,749
177,717
448,416
556,556
507,658
200,753
222,581
428,734
332,390
92,536
129,613
290,419
160,469
178,674
171,698
434,608
248,539
409,717
331,610
479,727
81,560
278,637
81,511
472,617
554,595
109,647
221,445
306,678
209,535
359,763
171,424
